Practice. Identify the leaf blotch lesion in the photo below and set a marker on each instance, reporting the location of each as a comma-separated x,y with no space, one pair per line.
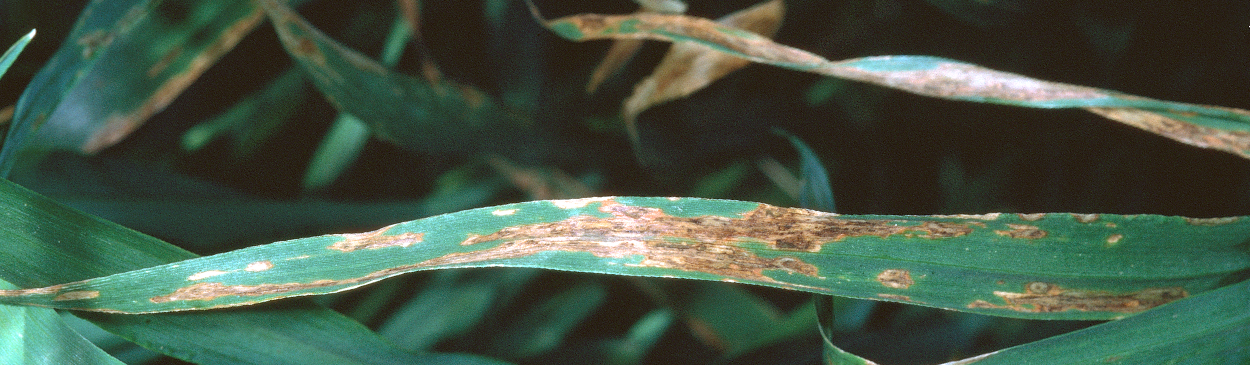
375,240
212,291
77,295
1042,297
1023,231
895,278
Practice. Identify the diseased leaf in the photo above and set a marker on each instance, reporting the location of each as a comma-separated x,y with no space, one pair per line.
1042,266
43,242
1209,328
1219,128
433,115
617,57
624,49
691,66
37,336
144,52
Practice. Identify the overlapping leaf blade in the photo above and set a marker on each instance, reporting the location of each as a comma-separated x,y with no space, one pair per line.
43,242
1220,128
432,115
1210,328
132,49
1045,266
30,335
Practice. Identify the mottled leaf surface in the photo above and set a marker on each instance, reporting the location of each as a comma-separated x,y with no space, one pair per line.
1046,266
1220,128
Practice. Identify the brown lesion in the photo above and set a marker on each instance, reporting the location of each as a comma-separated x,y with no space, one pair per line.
895,278
211,291
1022,231
77,295
787,229
375,240
1042,297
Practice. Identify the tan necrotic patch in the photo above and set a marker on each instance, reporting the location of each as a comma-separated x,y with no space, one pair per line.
375,240
1041,297
77,295
1022,231
897,279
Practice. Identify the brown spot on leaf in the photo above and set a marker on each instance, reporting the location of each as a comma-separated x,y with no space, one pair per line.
211,291
1211,221
77,295
1085,218
1234,141
983,217
93,41
894,278
375,240
1042,297
782,228
1032,216
1114,239
121,123
689,66
1022,231
48,290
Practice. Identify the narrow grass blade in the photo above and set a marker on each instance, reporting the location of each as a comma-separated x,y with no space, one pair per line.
1042,266
1209,328
451,304
640,339
431,116
131,48
832,355
10,55
37,336
254,118
815,192
43,242
347,136
544,327
1220,128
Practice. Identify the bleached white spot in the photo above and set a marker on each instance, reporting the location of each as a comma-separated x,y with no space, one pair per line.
984,217
503,212
259,266
205,275
673,198
578,203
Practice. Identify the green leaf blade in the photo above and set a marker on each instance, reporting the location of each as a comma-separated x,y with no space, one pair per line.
1053,266
43,242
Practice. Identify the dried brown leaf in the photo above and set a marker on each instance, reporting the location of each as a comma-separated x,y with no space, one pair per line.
690,66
